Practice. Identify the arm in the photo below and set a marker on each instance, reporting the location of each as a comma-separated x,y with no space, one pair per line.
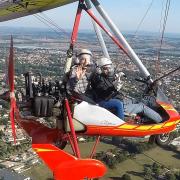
102,86
77,80
118,83
72,79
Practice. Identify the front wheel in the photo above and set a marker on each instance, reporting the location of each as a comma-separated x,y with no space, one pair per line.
163,139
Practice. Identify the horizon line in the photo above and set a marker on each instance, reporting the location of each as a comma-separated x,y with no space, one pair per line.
90,30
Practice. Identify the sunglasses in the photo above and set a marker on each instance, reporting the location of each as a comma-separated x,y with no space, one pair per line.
107,68
86,66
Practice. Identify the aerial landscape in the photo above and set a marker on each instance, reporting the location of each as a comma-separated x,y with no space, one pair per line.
49,130
41,51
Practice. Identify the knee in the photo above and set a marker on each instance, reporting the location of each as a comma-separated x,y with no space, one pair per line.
119,105
142,105
117,101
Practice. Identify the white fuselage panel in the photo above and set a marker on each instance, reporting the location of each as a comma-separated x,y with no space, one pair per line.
89,114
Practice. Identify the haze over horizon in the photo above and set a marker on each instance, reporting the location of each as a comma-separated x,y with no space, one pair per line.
126,14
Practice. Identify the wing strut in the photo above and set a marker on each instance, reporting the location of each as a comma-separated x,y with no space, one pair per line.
117,37
129,51
73,37
98,33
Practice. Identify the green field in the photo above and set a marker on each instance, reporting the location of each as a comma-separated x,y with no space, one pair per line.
134,167
39,172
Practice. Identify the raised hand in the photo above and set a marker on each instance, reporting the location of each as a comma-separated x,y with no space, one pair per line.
80,72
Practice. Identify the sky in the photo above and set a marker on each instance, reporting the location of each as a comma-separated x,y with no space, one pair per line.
126,14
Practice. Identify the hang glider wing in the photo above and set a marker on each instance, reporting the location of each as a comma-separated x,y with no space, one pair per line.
12,9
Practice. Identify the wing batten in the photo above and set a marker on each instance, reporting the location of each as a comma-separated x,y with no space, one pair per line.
10,10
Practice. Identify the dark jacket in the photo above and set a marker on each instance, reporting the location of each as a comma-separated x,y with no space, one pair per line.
102,87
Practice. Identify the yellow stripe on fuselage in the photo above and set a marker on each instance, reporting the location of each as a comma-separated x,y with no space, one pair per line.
167,106
169,124
171,109
43,150
178,121
158,126
127,126
144,127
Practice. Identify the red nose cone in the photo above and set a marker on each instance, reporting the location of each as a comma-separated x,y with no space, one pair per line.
80,169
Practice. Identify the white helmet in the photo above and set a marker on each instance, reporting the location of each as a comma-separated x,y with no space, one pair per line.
104,61
84,51
81,53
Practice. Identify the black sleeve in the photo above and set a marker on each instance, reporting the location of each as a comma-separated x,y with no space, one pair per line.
102,86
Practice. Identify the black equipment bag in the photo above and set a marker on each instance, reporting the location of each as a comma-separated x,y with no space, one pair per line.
42,106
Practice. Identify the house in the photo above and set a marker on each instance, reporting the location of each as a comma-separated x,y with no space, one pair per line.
18,168
110,154
5,115
81,139
2,127
8,164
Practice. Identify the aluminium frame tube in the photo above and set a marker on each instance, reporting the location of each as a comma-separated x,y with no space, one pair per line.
98,33
130,51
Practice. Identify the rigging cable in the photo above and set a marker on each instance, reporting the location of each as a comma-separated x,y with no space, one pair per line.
56,25
58,28
162,10
47,21
142,20
43,20
139,25
38,17
158,41
168,3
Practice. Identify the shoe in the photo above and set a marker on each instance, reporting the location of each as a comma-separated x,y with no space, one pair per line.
131,121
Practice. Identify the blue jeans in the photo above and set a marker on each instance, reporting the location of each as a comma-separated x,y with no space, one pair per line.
114,104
